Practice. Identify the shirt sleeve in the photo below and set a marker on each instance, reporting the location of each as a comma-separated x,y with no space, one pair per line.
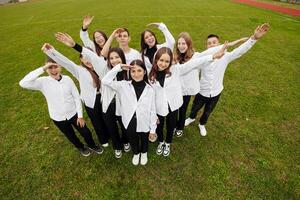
238,52
196,63
32,81
87,42
64,62
169,39
209,51
76,97
108,79
153,116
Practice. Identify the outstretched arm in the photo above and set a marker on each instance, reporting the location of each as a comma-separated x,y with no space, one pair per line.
61,59
108,79
259,32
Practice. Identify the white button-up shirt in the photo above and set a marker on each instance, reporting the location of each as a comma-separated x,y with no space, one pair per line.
62,96
144,107
212,75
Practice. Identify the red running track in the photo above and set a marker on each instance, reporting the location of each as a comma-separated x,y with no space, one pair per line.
268,6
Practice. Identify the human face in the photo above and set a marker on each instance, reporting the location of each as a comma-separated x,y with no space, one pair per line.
99,39
163,62
137,73
182,45
212,42
86,62
114,58
54,71
123,38
149,39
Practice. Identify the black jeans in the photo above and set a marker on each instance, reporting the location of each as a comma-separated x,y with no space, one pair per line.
110,120
137,138
124,138
96,116
171,120
209,104
67,129
182,112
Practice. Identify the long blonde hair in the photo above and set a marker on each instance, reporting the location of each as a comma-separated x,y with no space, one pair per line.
182,58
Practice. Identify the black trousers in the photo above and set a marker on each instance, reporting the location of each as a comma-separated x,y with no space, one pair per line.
137,140
96,116
209,104
182,112
171,120
110,120
66,128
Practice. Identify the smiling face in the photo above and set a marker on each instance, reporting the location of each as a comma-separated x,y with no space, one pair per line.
99,39
212,42
54,70
114,58
137,73
149,39
164,62
182,45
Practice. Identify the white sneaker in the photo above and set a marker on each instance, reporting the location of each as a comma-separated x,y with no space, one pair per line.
127,147
144,158
160,148
202,129
105,145
166,149
118,153
179,133
188,121
136,159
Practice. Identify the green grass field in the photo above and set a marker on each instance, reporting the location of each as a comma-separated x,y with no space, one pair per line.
252,150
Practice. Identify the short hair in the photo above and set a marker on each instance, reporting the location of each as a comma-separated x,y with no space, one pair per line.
125,30
49,60
212,35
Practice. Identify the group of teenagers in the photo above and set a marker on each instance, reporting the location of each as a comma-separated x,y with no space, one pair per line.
129,95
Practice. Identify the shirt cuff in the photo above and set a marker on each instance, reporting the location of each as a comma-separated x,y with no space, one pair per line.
78,48
84,29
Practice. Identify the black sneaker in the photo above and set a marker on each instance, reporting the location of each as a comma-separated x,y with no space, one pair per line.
96,149
84,151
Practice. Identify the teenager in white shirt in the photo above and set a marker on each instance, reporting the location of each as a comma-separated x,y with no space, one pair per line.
99,37
137,107
149,43
190,81
109,98
89,82
165,80
64,104
123,38
211,82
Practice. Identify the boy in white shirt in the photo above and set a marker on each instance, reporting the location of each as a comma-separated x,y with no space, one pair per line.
64,104
211,81
123,38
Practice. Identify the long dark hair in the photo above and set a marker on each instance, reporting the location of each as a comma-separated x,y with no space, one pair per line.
95,77
97,47
144,45
154,70
142,65
121,75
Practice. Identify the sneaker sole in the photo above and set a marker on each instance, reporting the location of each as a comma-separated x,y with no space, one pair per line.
97,152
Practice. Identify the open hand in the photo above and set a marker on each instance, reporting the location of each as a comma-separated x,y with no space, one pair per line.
46,47
87,20
65,39
261,30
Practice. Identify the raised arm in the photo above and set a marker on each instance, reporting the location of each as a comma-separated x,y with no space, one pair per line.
238,42
98,62
61,60
200,62
108,79
31,81
109,41
259,32
84,35
169,39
